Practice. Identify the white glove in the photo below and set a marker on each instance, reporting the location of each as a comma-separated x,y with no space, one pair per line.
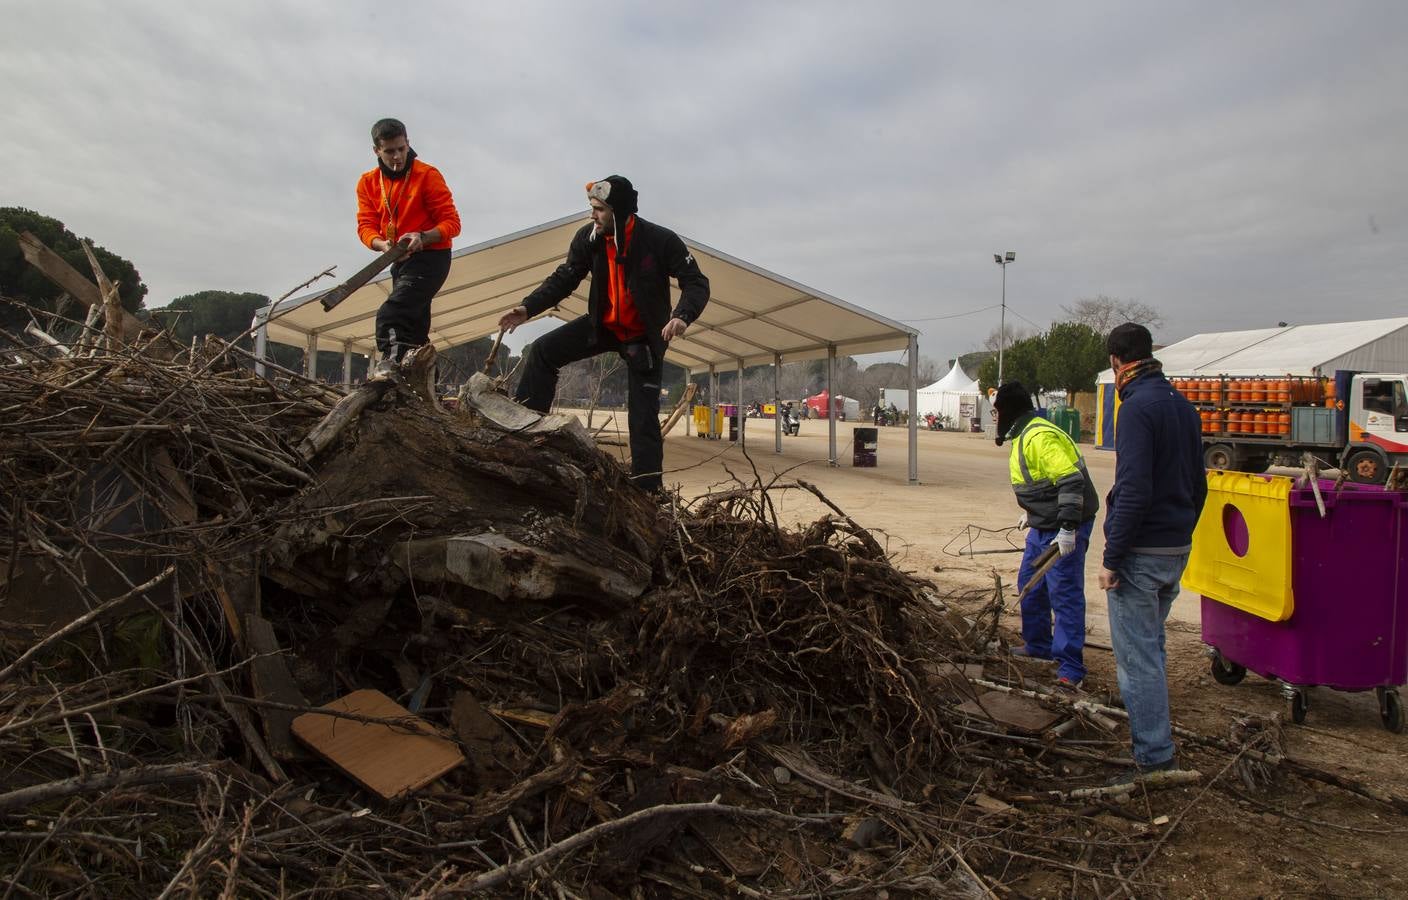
1065,541
1022,522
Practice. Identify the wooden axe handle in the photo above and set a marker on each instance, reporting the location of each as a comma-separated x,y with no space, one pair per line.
494,351
1042,565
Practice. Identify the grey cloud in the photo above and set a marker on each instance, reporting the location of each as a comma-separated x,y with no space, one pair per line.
1220,161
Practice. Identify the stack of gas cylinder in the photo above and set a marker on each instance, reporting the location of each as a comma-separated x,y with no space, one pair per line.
1253,406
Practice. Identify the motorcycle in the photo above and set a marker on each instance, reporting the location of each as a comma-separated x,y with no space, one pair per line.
790,423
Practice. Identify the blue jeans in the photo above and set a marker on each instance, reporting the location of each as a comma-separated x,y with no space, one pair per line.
1060,596
1138,608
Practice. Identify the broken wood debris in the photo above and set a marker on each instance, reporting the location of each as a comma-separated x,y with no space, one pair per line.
643,695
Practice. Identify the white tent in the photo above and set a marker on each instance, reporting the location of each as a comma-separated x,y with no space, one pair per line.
754,316
955,395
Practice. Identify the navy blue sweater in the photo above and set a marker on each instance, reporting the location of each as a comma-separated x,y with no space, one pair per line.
1160,482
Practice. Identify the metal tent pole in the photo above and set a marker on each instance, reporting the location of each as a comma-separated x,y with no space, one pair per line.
913,409
777,401
831,398
738,410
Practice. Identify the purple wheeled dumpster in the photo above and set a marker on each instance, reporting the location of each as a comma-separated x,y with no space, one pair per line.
1349,626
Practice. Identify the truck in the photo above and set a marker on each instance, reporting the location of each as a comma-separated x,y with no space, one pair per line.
1356,421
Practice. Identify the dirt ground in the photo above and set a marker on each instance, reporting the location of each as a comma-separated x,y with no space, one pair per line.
1297,838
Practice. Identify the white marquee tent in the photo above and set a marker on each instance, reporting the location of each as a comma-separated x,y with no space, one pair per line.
754,316
955,395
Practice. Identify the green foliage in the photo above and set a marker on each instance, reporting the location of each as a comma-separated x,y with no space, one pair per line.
1020,362
21,281
225,314
1072,355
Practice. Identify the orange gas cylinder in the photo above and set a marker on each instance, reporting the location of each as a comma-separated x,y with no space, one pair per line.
1234,422
1283,391
1283,423
1219,420
1209,391
1206,417
1258,392
1259,423
1234,392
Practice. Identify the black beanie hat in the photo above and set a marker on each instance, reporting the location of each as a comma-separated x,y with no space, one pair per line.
1012,402
616,192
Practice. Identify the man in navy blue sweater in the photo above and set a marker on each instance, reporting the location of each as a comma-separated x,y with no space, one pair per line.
1160,485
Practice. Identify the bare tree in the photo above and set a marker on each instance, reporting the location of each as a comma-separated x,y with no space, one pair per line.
1015,333
1103,313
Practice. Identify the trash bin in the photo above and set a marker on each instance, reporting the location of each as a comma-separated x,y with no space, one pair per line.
863,443
1066,419
733,427
1302,599
701,421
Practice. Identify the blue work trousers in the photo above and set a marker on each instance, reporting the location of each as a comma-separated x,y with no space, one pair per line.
1059,596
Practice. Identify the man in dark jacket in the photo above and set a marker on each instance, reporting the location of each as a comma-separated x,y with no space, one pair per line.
1059,504
1160,485
631,262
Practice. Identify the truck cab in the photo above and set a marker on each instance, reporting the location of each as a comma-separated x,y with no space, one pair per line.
1377,424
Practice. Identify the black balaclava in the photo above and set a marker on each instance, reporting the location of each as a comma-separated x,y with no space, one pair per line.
405,170
1012,402
616,192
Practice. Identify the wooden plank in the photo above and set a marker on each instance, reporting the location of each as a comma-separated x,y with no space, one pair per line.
680,407
56,269
272,681
388,761
365,274
1021,713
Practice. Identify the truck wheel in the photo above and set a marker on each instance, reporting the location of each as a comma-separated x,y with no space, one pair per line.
1218,456
1391,710
1366,467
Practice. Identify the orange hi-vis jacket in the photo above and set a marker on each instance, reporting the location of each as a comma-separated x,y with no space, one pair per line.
389,208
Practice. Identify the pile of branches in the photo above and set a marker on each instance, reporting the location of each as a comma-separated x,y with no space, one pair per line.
767,716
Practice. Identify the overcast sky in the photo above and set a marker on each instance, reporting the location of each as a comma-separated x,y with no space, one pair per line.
1232,164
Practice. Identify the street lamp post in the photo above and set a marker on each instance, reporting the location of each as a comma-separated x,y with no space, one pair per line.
1002,322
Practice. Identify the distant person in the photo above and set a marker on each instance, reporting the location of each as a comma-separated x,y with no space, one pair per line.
1059,503
631,262
1160,485
405,201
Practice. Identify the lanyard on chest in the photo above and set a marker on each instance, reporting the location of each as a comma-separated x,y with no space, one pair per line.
390,207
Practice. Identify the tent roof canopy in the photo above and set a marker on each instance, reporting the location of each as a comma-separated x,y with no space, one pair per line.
955,382
752,313
1293,350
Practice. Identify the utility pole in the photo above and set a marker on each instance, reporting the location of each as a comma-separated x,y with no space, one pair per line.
1002,322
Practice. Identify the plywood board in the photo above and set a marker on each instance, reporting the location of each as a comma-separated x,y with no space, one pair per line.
1021,713
389,761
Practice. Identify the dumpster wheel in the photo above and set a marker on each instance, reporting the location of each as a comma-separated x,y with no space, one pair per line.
1224,671
1391,709
1300,702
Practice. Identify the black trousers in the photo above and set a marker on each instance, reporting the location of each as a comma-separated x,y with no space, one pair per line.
572,342
403,321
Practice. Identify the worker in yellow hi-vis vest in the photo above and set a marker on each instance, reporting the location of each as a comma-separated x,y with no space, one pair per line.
1059,504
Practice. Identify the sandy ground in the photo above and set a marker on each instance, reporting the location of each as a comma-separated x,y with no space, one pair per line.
1296,839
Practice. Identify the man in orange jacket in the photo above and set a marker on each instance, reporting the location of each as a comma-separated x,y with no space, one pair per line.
406,201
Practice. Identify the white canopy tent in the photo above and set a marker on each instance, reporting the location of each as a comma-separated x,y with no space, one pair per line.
754,316
955,395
